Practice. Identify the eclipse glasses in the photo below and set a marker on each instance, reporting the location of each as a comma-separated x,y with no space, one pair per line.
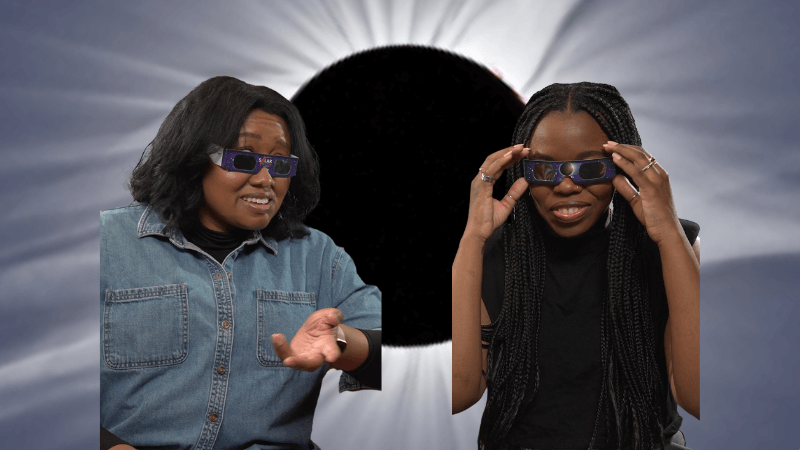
252,163
581,171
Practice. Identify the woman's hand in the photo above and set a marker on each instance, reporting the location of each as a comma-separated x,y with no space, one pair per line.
314,343
485,212
653,207
653,203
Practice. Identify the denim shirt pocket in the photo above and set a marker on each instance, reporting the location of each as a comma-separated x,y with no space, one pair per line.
146,327
280,312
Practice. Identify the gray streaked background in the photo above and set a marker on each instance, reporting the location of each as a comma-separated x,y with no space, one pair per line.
84,86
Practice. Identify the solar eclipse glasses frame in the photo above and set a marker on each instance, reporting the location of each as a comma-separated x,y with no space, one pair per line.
581,171
252,163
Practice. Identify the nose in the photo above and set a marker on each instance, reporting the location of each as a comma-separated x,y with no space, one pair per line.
262,179
567,187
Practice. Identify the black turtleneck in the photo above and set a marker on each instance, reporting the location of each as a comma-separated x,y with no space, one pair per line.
218,244
570,369
562,414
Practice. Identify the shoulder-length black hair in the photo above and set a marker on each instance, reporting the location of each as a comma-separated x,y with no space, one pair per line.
633,388
169,175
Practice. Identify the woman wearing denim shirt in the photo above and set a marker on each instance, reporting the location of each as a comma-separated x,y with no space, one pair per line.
220,311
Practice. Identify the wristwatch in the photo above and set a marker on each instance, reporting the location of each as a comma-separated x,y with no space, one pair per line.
340,340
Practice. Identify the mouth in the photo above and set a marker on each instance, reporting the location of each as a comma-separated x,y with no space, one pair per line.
570,212
258,204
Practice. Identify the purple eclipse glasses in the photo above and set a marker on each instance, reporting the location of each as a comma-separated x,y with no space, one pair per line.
582,171
252,163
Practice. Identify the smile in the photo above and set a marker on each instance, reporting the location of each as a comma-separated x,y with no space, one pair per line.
570,213
260,201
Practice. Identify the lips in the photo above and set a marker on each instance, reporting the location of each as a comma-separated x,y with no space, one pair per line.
569,211
259,203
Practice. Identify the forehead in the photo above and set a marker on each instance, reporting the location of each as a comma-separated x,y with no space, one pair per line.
264,126
564,135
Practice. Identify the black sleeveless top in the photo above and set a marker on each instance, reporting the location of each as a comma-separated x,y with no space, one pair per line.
563,413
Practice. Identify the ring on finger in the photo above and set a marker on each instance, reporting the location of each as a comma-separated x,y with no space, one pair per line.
486,178
652,163
634,196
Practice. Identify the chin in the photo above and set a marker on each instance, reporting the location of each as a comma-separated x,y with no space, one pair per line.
574,229
253,225
568,232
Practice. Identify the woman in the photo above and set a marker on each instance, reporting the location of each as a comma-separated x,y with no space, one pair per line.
212,290
576,296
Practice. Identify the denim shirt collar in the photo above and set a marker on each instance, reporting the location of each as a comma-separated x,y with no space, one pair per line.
150,224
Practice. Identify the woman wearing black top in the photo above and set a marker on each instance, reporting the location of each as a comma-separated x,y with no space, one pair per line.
576,305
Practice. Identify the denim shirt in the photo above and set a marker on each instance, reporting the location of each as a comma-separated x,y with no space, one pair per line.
187,359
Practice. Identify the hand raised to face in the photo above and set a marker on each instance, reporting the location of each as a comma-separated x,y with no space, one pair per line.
485,212
652,203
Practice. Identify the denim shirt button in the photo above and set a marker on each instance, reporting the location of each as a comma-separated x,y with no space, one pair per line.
212,417
226,324
229,275
221,370
219,275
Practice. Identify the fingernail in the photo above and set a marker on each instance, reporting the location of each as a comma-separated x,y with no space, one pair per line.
615,156
506,155
518,145
611,143
527,149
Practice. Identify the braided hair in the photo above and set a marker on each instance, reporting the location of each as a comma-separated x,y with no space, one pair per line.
633,391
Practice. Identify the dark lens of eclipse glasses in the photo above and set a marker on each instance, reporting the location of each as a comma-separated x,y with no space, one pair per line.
281,167
244,162
591,170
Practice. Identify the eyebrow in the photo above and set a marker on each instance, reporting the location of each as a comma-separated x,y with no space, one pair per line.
584,155
539,156
247,134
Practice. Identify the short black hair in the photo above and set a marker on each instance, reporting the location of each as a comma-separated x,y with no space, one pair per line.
169,175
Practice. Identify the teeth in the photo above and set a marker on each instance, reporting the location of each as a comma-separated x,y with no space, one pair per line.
260,201
568,210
